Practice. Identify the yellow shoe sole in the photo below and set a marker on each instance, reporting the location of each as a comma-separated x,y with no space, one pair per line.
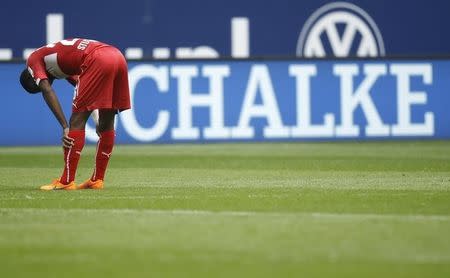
59,186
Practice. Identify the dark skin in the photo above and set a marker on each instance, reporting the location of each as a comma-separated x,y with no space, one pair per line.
78,119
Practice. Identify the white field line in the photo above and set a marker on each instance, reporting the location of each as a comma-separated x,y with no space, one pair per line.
319,215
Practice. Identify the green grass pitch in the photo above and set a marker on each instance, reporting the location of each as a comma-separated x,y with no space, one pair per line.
374,209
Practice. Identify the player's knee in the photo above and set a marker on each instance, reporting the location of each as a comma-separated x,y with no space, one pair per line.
78,120
105,127
105,124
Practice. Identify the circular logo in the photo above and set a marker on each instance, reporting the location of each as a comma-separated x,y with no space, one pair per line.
340,29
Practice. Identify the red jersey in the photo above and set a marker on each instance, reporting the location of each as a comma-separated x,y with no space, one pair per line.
62,59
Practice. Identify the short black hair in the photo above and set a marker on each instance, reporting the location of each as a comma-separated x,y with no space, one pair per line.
28,83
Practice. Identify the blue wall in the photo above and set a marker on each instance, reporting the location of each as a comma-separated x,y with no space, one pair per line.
408,27
207,101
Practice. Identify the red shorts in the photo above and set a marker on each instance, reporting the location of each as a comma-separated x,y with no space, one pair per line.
103,82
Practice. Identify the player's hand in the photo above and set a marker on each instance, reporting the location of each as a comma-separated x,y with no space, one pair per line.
66,140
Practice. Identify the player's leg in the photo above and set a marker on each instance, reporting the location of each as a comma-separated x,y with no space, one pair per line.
71,155
114,97
105,143
104,149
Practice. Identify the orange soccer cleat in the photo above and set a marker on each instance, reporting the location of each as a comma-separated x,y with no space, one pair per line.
89,184
57,185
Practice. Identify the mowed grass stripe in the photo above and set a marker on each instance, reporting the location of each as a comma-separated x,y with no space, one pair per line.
216,238
344,156
264,199
28,178
344,216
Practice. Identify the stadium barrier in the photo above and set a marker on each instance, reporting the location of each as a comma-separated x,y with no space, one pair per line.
248,100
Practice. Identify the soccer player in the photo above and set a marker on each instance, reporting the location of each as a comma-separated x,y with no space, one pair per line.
100,76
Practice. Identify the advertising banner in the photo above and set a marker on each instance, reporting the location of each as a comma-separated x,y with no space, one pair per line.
254,100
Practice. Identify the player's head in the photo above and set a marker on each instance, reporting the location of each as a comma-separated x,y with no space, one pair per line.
28,82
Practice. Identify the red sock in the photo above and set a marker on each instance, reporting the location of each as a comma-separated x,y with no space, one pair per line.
72,156
104,149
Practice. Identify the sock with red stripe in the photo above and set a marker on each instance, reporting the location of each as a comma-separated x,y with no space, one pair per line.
72,156
104,149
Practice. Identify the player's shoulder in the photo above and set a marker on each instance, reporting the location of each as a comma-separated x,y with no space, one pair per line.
41,51
36,55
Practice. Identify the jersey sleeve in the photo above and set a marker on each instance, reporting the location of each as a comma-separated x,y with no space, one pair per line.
36,67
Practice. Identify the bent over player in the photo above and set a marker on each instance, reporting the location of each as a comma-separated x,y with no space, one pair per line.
100,76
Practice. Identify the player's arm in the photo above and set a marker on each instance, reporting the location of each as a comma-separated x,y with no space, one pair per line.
53,103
